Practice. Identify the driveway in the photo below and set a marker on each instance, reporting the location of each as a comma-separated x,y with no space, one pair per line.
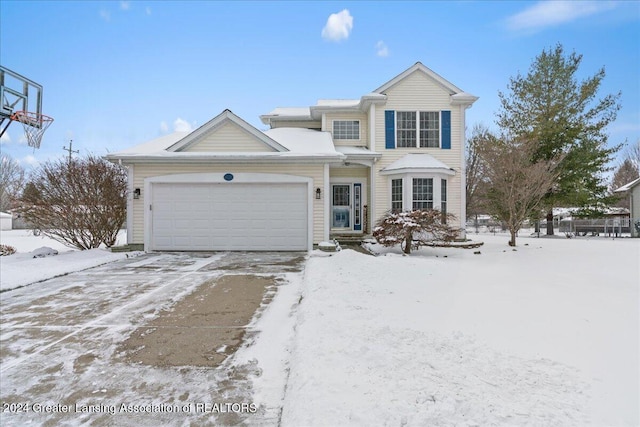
143,341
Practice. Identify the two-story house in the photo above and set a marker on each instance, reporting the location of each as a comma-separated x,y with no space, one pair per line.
329,169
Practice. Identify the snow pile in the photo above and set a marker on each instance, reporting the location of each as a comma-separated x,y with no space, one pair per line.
34,262
44,251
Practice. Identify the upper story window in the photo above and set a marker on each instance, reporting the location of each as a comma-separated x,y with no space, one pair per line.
346,129
429,129
406,128
410,130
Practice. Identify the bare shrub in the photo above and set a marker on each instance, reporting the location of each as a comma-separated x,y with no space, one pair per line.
78,202
7,250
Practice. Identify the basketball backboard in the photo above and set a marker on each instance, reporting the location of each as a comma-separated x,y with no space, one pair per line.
18,93
21,101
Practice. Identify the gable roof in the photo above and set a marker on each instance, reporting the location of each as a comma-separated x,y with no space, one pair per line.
628,186
222,118
419,67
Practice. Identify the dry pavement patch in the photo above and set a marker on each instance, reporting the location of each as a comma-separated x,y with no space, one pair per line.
203,328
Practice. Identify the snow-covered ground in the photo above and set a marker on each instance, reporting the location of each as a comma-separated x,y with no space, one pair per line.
546,334
22,268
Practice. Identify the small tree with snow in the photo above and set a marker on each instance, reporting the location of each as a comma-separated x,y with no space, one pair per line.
414,227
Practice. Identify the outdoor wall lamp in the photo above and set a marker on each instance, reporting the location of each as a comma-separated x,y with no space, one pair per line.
136,193
318,193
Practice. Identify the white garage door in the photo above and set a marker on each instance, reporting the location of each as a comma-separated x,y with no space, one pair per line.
225,216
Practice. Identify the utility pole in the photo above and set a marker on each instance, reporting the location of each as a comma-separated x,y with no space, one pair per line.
70,149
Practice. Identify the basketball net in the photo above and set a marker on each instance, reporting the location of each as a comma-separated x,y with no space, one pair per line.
34,125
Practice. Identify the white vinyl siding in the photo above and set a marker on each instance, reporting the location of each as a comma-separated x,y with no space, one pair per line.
229,137
417,92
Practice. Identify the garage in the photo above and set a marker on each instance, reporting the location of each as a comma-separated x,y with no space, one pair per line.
262,216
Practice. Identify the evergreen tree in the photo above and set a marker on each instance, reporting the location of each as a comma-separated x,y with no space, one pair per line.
563,116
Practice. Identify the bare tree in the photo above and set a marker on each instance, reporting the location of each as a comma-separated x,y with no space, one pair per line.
414,227
11,181
474,169
633,153
516,184
78,202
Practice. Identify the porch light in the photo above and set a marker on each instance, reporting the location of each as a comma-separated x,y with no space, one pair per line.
318,193
136,193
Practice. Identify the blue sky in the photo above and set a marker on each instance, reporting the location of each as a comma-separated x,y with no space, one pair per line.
119,73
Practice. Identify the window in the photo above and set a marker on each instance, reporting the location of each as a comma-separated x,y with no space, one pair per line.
443,200
422,193
396,195
406,128
429,129
346,129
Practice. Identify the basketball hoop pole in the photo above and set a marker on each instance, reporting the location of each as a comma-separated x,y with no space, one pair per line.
4,129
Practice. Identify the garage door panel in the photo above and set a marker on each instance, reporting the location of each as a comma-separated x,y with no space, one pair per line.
220,216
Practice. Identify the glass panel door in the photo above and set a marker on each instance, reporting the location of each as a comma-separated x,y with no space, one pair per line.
341,206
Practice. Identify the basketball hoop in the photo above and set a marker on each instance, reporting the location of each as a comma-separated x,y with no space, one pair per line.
34,125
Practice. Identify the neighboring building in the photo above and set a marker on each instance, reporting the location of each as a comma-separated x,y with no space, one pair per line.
330,169
633,190
6,221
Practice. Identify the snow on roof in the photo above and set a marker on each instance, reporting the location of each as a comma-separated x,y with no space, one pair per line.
350,150
155,145
338,102
5,215
290,112
628,186
417,161
300,140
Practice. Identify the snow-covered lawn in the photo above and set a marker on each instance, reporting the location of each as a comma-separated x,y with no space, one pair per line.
22,268
546,334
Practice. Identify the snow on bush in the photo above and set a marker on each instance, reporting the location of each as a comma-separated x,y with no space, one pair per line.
409,228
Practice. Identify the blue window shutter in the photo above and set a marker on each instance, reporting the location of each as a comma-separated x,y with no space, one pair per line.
445,117
390,129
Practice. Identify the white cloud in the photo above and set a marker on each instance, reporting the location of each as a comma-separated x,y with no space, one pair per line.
105,14
551,13
338,26
164,127
382,49
29,160
125,5
181,125
5,139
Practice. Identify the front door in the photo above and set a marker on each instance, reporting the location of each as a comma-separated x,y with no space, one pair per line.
346,207
341,206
